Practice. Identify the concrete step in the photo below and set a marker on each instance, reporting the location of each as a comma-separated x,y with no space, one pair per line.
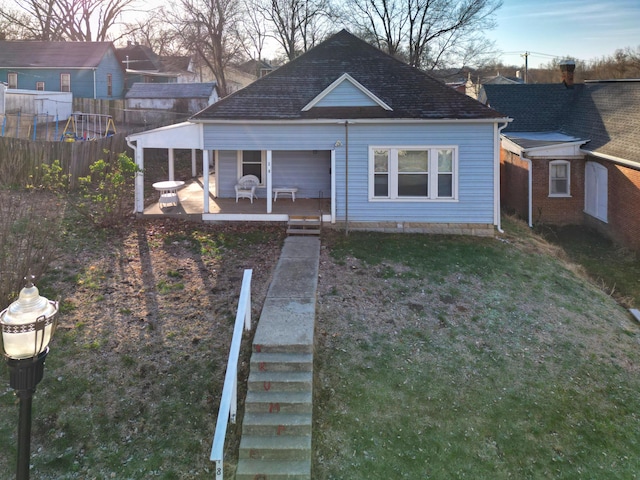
276,448
280,348
276,424
302,231
279,402
281,362
280,381
273,470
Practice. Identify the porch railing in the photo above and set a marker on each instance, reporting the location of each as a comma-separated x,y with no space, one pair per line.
229,400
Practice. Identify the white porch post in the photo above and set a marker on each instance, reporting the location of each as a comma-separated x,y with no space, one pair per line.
171,165
269,189
139,189
333,186
194,172
205,175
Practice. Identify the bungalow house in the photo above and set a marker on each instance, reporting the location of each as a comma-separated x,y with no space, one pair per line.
572,153
158,102
86,69
388,146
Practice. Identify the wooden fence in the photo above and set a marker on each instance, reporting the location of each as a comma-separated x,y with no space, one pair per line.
20,159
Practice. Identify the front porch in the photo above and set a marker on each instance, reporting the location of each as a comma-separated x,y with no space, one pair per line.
191,198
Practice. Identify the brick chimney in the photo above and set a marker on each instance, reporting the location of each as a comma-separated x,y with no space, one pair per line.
567,67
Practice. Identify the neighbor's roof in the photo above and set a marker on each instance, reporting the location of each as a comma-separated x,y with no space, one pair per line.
171,90
409,92
607,113
37,54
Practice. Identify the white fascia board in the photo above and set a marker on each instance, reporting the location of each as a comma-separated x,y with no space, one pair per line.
181,135
345,77
621,161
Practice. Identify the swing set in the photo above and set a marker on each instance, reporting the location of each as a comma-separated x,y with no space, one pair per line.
88,126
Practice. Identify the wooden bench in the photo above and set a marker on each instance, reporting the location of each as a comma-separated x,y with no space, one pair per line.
291,191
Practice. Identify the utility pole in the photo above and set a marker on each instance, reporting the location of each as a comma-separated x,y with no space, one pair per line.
526,66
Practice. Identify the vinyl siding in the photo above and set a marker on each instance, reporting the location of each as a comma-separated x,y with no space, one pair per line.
475,145
346,95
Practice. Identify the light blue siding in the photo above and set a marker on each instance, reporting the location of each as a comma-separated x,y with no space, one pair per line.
295,145
309,171
346,95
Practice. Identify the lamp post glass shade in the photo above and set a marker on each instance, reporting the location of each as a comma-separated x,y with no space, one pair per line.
28,324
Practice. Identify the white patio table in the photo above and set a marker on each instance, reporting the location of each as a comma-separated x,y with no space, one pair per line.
168,192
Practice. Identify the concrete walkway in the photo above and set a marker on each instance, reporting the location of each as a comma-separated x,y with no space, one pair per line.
276,431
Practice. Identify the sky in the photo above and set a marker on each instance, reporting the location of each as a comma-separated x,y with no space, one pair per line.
582,29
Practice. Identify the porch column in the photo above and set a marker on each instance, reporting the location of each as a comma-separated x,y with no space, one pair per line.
333,186
139,181
171,165
194,172
205,179
269,189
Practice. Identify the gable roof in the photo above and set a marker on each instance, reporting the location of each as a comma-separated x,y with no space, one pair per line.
604,113
37,54
138,57
409,92
171,90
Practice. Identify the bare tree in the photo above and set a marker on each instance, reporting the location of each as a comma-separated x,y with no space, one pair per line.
425,33
154,32
297,25
254,30
53,20
210,28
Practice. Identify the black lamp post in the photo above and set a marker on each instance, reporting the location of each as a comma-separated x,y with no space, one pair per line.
27,327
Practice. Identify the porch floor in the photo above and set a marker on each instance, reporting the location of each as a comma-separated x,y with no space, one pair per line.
191,204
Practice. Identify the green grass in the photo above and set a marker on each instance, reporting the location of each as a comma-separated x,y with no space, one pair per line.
515,368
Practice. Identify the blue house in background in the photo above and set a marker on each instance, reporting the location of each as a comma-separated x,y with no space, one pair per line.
86,69
386,146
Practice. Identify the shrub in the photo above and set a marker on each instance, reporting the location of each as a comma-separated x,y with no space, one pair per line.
30,227
105,196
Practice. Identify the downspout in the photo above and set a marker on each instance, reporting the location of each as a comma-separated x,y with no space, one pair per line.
496,200
346,177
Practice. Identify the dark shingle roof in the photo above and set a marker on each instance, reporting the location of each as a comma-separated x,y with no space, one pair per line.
36,54
410,93
138,57
533,107
171,90
606,113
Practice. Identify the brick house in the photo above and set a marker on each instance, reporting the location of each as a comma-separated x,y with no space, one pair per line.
571,156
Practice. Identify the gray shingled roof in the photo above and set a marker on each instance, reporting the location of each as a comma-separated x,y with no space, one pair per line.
171,90
36,54
283,93
606,113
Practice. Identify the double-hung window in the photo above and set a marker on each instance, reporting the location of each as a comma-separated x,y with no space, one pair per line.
413,173
65,82
12,79
40,86
251,162
559,178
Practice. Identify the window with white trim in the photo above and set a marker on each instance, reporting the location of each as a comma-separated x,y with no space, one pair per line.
559,178
40,86
65,82
109,85
251,162
413,173
12,79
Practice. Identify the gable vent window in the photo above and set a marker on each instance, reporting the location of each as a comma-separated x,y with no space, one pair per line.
413,173
559,178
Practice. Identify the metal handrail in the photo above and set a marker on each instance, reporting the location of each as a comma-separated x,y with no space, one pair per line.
229,400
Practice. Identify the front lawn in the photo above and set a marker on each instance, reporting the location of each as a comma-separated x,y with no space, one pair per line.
449,357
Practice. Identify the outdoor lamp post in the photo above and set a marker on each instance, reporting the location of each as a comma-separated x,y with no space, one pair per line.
27,327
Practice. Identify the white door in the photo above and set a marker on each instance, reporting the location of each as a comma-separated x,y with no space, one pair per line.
596,191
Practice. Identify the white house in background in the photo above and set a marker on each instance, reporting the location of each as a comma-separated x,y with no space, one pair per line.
156,102
393,148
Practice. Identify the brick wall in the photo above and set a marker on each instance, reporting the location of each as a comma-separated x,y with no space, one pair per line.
557,210
514,184
624,205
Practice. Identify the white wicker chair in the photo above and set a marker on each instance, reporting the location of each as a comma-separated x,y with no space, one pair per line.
246,187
